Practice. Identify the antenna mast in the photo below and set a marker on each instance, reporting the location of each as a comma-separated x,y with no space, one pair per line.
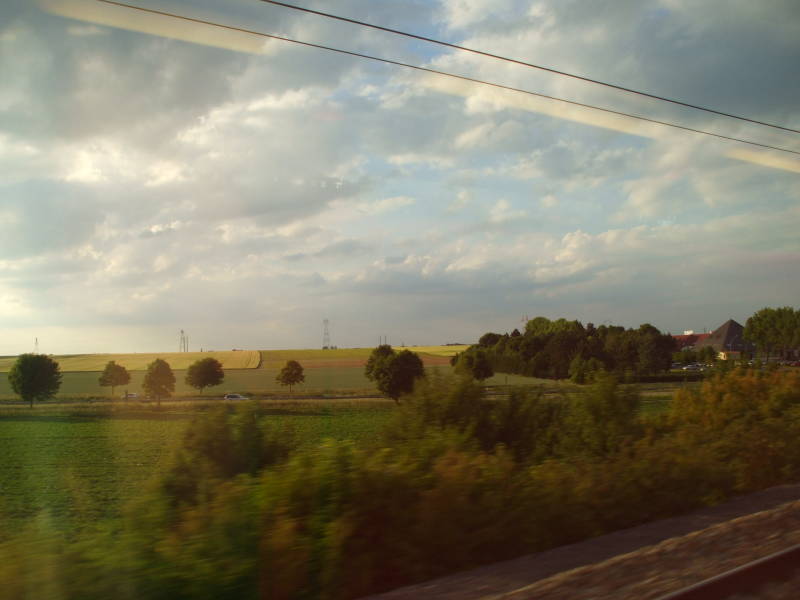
326,335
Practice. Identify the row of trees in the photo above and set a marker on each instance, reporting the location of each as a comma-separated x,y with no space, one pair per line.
38,377
396,373
706,354
561,348
159,380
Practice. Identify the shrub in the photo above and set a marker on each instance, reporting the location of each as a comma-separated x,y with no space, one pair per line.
216,447
601,418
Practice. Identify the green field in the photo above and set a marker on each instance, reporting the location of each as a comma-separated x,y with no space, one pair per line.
319,381
326,381
250,381
82,464
327,372
80,467
82,461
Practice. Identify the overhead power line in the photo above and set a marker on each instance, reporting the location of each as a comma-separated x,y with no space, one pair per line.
443,73
525,64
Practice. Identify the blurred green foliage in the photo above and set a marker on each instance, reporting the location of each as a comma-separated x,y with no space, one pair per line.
456,479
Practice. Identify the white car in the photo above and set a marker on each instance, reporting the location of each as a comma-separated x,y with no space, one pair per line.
235,397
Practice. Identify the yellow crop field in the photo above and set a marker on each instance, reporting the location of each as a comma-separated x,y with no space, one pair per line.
315,354
440,350
348,357
239,359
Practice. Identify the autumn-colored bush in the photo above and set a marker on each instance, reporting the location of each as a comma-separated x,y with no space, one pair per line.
751,419
532,426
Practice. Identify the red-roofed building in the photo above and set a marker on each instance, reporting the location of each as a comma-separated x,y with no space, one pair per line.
727,338
688,341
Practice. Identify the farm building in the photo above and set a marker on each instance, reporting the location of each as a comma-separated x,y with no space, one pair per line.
727,339
688,340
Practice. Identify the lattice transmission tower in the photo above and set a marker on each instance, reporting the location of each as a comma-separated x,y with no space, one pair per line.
326,334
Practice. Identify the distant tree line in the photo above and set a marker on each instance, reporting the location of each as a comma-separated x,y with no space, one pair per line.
706,354
559,349
775,330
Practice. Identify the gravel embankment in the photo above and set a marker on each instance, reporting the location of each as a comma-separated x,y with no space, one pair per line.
782,590
642,562
676,563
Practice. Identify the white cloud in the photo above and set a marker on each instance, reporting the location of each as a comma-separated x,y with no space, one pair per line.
459,14
417,159
549,201
164,172
502,212
194,181
474,136
462,199
385,205
290,99
84,30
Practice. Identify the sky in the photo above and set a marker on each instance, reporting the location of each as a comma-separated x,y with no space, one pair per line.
157,175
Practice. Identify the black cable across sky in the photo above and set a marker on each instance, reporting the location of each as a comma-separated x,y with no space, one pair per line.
442,73
524,64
